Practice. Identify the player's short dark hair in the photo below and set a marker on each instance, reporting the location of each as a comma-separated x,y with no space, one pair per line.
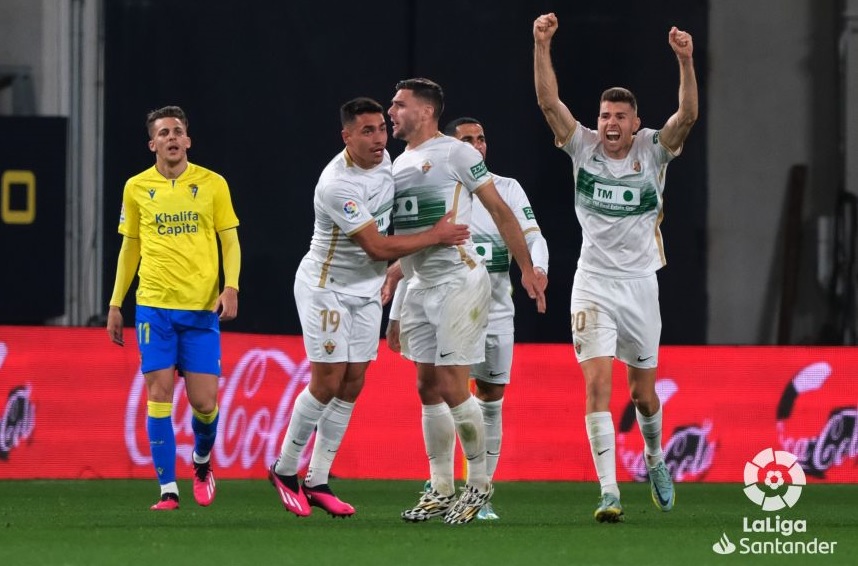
619,94
450,128
166,112
357,106
427,90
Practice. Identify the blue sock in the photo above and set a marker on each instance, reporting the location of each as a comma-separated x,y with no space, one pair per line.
204,432
162,442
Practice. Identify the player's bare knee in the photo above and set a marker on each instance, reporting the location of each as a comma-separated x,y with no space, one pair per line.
647,405
489,392
206,407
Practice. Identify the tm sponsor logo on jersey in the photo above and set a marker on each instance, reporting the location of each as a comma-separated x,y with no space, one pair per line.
405,206
485,249
495,254
615,197
382,220
185,222
774,480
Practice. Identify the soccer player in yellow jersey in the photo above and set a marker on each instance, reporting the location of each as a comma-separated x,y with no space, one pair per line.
170,215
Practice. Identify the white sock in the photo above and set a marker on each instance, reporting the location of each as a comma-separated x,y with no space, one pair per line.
329,434
600,431
306,412
493,422
439,436
472,437
651,431
171,487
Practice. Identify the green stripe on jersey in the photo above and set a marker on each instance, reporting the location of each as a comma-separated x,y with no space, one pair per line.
411,210
493,249
612,197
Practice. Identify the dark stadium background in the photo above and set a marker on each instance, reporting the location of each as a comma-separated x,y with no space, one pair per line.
262,88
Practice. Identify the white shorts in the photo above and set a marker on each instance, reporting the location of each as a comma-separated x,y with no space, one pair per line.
498,363
446,325
616,317
338,327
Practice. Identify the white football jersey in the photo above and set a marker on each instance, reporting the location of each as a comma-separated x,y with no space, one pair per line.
491,246
437,176
347,199
619,203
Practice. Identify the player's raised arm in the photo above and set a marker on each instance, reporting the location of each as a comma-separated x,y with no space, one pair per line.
678,126
556,113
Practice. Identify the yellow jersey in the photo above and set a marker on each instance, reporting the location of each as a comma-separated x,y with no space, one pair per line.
177,221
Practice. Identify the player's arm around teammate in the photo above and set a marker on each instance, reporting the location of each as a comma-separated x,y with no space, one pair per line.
337,292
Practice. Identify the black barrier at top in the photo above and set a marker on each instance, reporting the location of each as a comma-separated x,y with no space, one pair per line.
262,86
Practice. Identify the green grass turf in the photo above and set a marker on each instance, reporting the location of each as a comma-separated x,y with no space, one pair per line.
93,522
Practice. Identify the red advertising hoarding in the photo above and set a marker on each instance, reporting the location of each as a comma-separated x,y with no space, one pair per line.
73,406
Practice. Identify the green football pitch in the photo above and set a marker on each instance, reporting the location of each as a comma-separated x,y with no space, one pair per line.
94,522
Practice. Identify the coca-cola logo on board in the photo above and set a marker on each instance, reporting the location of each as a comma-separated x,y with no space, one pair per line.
688,451
251,426
18,419
819,444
